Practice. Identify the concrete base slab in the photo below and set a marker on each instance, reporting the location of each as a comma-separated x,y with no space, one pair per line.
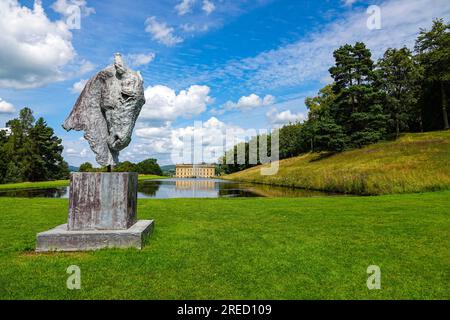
61,239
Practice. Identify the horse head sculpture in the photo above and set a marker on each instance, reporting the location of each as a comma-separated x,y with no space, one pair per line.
107,110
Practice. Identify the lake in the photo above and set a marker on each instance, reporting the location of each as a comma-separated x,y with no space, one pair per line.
185,188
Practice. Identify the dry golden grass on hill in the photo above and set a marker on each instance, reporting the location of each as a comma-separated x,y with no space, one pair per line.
415,162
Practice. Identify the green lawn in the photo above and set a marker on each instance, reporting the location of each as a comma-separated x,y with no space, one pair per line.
34,185
304,248
57,183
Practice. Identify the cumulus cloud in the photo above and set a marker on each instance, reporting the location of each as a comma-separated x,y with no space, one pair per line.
34,50
78,86
208,6
140,59
246,103
154,132
174,144
161,32
284,117
164,104
6,107
64,7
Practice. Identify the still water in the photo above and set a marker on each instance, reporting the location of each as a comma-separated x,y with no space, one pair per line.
184,188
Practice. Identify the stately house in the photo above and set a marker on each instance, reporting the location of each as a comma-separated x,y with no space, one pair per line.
195,171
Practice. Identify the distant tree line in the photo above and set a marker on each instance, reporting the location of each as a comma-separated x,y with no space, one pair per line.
148,166
367,102
31,151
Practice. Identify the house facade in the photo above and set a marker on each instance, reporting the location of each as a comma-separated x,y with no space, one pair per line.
195,171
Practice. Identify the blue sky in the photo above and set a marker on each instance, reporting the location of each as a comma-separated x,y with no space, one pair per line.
231,64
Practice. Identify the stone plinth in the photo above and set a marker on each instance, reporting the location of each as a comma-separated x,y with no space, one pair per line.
102,201
61,239
102,214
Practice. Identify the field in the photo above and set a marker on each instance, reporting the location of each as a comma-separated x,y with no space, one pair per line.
416,162
304,248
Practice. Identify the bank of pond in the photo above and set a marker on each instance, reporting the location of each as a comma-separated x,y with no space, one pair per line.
182,188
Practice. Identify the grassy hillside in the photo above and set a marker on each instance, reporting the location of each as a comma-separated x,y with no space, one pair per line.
413,163
305,248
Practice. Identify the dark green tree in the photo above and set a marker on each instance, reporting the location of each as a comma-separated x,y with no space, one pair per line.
433,51
46,161
400,75
3,156
125,166
149,166
86,167
32,151
357,107
290,140
321,129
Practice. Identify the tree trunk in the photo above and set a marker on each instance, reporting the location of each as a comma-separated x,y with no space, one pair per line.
397,127
444,106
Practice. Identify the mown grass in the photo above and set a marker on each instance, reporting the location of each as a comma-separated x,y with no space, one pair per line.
417,162
304,248
57,183
143,177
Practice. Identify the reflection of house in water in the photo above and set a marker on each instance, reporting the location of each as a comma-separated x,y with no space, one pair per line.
195,185
195,171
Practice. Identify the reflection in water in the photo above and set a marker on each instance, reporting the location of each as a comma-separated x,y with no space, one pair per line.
184,188
199,184
62,192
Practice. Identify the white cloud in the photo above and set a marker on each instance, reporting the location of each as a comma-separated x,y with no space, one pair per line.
83,67
154,132
213,134
77,152
208,6
185,6
165,141
34,50
161,32
6,107
77,87
140,59
248,102
63,7
163,104
284,117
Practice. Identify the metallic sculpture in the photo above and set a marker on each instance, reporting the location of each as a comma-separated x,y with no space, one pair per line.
107,109
103,206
